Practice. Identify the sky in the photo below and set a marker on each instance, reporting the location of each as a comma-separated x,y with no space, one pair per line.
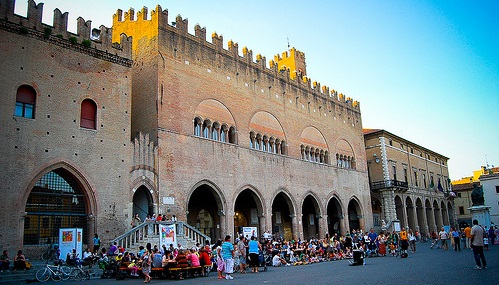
427,71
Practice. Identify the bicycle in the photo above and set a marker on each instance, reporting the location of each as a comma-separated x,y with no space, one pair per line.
56,272
78,273
51,253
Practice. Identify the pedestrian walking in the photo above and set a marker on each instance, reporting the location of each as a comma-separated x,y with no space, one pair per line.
477,234
456,236
443,235
228,256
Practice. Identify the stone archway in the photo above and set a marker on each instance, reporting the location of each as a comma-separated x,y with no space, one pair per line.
376,209
282,216
437,216
143,204
310,217
205,211
334,217
247,211
411,221
422,225
400,211
354,215
57,200
445,214
430,217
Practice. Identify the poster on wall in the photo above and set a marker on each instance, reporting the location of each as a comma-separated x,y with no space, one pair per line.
70,239
167,235
396,226
248,232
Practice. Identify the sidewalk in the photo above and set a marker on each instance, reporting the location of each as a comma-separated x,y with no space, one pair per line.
28,276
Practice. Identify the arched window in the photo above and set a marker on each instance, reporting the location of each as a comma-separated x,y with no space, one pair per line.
55,201
258,141
283,147
223,133
25,102
206,129
214,131
277,146
197,127
232,135
88,117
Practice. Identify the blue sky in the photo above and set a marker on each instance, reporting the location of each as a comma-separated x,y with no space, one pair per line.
427,71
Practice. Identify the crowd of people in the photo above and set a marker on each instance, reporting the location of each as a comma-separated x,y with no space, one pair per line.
272,250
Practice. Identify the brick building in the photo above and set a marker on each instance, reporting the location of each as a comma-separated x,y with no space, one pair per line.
409,183
218,139
65,124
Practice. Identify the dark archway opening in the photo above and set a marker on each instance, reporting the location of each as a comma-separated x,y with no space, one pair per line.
281,217
310,218
204,211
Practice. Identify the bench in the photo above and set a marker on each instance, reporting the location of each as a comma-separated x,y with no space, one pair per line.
157,272
181,272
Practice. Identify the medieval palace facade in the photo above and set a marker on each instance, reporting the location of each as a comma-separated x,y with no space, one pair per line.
146,118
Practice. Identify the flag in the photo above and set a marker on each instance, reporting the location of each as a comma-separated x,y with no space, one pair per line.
432,185
439,187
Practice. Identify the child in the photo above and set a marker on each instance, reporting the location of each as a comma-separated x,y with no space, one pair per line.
133,268
392,249
485,241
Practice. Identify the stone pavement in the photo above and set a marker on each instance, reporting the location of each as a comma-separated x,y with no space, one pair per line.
427,266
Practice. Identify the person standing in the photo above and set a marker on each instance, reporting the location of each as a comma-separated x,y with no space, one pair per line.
146,265
491,235
241,248
254,250
455,236
412,240
477,233
404,240
467,232
228,256
443,236
96,241
135,221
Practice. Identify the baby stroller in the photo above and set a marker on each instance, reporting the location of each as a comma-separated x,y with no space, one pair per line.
109,268
372,250
264,260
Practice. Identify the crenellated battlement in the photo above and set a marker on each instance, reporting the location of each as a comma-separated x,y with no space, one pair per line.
289,68
95,42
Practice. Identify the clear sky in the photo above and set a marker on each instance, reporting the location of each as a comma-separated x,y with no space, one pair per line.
427,71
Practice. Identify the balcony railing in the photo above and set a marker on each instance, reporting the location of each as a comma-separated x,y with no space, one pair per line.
377,185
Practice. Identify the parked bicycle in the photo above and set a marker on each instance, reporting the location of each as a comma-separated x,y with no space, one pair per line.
56,272
77,272
51,253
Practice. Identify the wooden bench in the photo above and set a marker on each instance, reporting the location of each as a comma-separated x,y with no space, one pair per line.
181,272
157,272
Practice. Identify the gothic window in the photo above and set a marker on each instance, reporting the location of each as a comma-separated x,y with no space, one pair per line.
88,118
232,135
25,102
223,133
214,131
197,127
252,140
206,129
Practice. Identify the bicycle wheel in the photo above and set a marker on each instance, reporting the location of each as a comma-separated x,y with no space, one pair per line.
46,255
80,276
65,272
57,276
43,275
